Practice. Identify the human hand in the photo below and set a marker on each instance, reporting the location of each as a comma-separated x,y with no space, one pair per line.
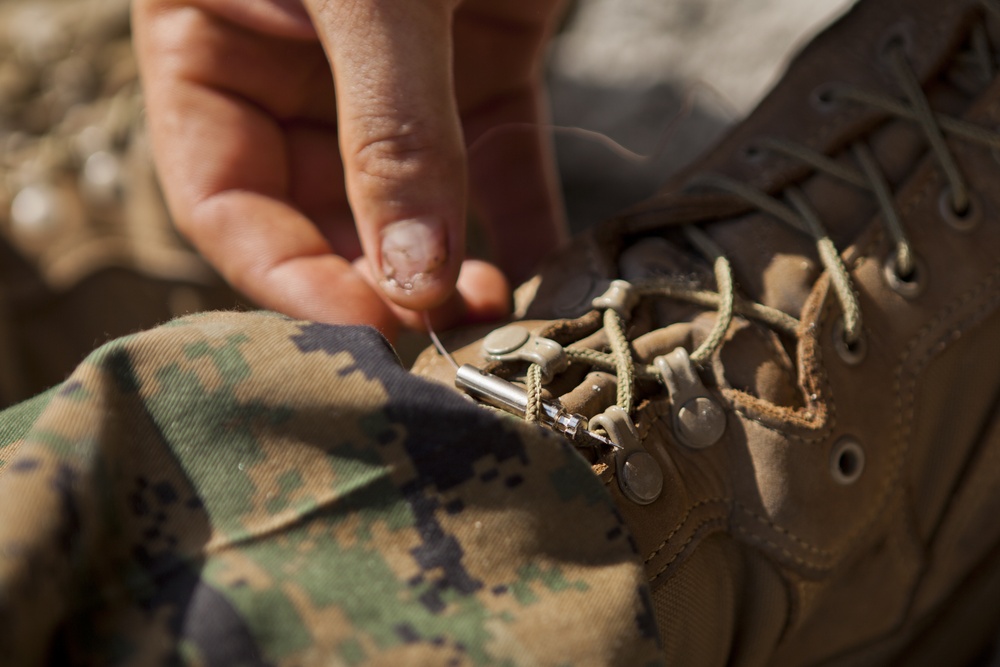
351,207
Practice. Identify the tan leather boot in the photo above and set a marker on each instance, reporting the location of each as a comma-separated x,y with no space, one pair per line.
794,395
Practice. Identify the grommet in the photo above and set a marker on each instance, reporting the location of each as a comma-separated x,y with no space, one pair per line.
699,421
965,221
505,340
619,297
847,460
515,343
753,154
898,37
824,97
851,354
910,286
639,476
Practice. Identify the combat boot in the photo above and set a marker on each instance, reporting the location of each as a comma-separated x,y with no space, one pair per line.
786,366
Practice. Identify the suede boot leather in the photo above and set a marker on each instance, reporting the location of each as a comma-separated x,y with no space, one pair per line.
846,515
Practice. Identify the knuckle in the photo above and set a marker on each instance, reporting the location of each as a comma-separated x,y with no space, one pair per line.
398,150
405,144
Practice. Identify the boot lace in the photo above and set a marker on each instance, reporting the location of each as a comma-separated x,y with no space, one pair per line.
791,207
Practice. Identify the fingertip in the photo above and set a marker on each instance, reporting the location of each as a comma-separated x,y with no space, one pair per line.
485,292
419,261
482,295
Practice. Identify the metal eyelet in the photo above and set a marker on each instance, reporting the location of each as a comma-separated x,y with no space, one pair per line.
908,287
824,98
753,154
515,343
639,475
699,421
847,461
851,354
899,36
965,221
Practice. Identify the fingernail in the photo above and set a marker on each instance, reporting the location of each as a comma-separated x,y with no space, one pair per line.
412,250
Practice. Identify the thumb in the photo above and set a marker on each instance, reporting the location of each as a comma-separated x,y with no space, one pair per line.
400,140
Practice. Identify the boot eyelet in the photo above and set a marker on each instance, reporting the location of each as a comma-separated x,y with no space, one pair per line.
908,287
847,461
898,37
753,154
825,98
851,354
964,221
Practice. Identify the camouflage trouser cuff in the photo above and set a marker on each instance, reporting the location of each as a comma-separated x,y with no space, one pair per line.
246,489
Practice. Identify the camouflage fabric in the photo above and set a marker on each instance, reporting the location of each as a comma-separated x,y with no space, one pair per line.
237,489
243,489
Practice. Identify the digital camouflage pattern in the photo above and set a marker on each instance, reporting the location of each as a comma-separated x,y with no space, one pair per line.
237,489
244,489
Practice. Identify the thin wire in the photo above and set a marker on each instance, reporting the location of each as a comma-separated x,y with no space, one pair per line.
437,341
659,148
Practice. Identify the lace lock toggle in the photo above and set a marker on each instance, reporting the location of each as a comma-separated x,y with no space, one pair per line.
639,476
620,297
699,421
509,397
515,343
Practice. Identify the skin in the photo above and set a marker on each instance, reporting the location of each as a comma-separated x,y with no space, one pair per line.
350,206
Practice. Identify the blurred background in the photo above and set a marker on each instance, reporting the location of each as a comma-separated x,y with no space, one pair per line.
87,252
663,78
